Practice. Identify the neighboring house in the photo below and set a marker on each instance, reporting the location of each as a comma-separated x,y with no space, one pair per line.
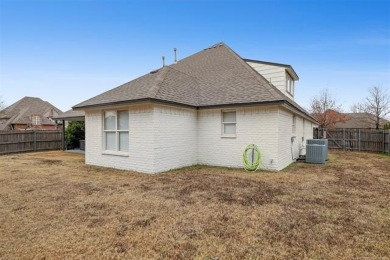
204,109
70,115
29,113
67,116
360,120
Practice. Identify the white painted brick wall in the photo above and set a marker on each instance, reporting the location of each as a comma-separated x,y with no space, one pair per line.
285,153
175,137
284,141
166,137
255,125
141,141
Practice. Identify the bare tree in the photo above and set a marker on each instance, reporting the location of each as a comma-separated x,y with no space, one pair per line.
357,108
2,104
376,105
326,111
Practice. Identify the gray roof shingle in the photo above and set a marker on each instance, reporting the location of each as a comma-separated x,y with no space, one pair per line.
212,77
360,120
21,111
71,115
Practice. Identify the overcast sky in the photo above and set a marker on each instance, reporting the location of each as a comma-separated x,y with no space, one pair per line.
68,51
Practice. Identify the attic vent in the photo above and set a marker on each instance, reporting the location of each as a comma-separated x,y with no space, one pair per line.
154,71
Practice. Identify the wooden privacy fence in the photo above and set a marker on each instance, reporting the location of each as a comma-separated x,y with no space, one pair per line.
29,141
352,139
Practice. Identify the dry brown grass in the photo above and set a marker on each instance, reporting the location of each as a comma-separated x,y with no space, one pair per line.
52,205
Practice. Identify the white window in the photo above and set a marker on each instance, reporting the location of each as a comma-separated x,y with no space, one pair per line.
292,87
294,124
229,123
36,120
289,84
116,130
288,87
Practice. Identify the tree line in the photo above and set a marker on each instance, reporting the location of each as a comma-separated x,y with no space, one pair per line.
325,109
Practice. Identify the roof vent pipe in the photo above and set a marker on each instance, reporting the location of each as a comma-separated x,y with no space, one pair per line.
163,59
174,50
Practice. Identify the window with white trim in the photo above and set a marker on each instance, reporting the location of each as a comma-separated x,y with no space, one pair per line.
36,120
229,123
289,84
116,130
292,87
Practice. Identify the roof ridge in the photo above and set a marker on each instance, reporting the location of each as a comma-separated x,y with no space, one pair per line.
256,74
211,47
198,89
153,91
216,45
182,72
21,113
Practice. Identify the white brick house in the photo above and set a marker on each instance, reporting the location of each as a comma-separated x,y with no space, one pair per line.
205,109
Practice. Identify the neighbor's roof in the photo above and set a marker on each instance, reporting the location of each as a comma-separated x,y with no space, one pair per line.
71,115
360,120
215,76
21,111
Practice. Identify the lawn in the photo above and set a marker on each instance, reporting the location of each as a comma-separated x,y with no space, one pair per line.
54,206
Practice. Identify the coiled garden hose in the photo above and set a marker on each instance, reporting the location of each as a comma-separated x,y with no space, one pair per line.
251,158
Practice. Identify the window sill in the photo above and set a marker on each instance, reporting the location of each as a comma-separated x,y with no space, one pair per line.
229,136
107,152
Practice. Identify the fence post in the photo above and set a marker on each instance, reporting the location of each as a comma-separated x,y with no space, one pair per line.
344,139
359,140
35,140
19,144
388,141
383,140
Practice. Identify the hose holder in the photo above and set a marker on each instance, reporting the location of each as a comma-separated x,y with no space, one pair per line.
251,158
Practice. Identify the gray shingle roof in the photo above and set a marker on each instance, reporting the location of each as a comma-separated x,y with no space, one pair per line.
215,76
71,115
360,120
21,111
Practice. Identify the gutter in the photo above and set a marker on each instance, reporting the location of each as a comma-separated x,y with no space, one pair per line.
283,103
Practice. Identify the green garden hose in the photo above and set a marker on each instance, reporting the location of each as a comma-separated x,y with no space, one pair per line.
252,163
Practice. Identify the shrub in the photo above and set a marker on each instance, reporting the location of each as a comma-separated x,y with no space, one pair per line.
75,131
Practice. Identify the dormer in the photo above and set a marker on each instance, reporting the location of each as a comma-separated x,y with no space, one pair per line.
282,76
